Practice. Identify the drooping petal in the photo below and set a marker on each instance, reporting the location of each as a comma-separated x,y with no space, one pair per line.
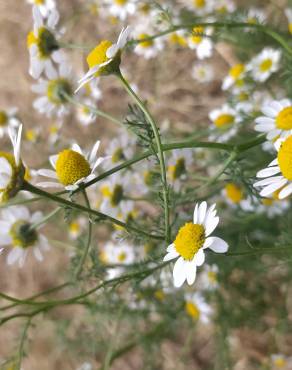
199,257
218,245
179,272
191,273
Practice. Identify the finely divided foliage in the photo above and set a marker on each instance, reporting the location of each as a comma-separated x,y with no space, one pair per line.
137,213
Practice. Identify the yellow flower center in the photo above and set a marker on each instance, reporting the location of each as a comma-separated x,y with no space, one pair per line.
192,310
224,119
74,227
266,65
284,119
290,27
199,3
176,39
39,2
280,362
57,89
115,195
22,234
45,42
147,43
53,129
197,35
189,240
243,96
178,169
31,135
121,2
212,277
3,118
98,55
236,71
122,257
117,155
16,179
159,295
267,202
234,193
285,158
149,178
71,166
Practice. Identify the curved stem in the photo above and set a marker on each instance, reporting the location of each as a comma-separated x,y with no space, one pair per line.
160,154
34,190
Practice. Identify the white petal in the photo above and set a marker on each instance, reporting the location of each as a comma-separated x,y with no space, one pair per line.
195,218
37,253
269,111
5,167
270,171
94,151
273,134
47,184
179,272
211,224
170,256
14,255
202,212
47,173
53,160
191,273
218,245
274,162
265,121
270,189
285,192
199,257
267,181
170,248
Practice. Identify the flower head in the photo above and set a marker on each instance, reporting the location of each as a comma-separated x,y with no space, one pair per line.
264,64
12,170
17,231
281,166
105,58
277,119
197,308
191,241
72,167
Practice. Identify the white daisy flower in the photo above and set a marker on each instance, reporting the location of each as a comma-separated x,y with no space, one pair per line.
42,44
264,64
120,149
8,119
16,231
85,366
277,119
225,120
233,194
209,277
191,241
12,170
76,227
121,9
255,15
200,7
224,6
281,167
45,6
105,58
235,76
198,308
148,48
85,114
72,167
279,361
52,101
203,45
117,253
178,164
203,73
113,192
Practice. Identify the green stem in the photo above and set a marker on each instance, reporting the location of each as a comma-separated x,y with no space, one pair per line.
87,247
160,154
34,190
98,112
22,341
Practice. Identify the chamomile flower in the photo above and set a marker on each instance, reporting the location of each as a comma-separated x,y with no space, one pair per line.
72,167
235,76
12,171
53,100
191,241
288,13
233,194
224,120
120,149
85,114
105,58
121,8
255,15
202,73
273,206
117,253
113,191
18,232
279,361
147,48
178,38
200,7
281,167
199,42
209,277
277,119
178,164
42,44
197,308
264,64
45,6
8,119
76,227
224,6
